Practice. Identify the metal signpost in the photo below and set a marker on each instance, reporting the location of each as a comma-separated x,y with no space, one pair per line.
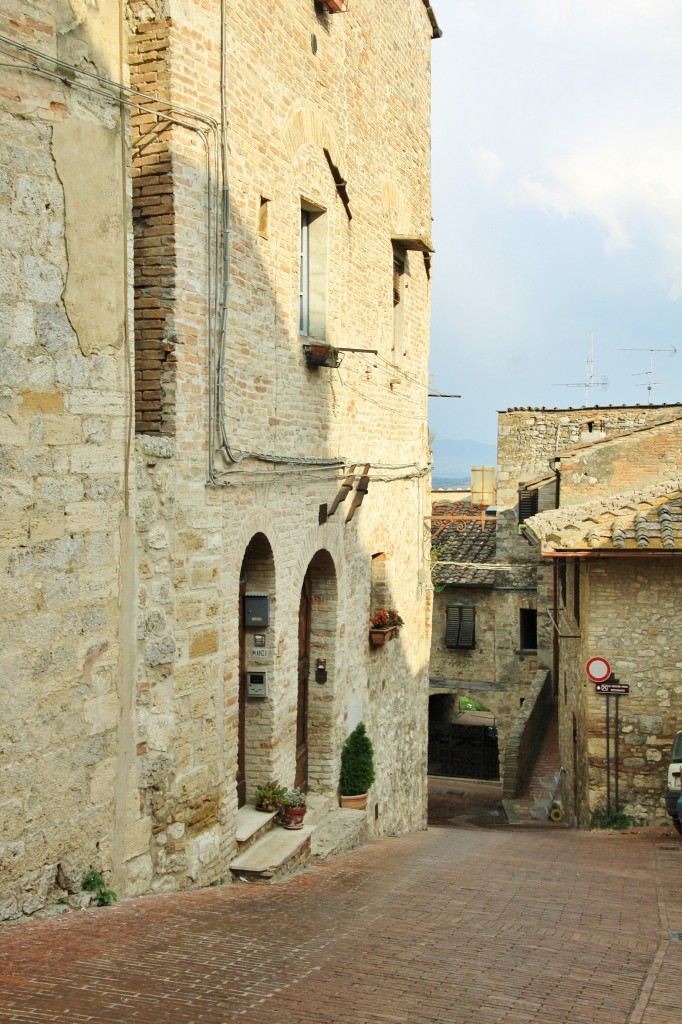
599,671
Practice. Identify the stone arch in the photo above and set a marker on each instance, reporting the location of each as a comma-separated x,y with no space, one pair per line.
323,683
257,576
321,560
462,743
304,125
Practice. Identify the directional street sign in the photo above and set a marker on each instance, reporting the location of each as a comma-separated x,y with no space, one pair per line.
609,688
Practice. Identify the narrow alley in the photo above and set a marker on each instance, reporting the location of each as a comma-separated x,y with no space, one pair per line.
445,925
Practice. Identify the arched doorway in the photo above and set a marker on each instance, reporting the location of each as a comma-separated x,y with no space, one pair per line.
256,646
316,707
304,622
462,738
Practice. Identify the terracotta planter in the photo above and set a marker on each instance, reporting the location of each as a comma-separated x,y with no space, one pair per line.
322,355
293,817
335,6
355,803
378,637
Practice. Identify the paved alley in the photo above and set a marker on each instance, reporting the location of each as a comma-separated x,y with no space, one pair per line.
447,925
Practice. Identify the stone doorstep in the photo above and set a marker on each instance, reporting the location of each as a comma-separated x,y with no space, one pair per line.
341,830
267,853
274,855
251,825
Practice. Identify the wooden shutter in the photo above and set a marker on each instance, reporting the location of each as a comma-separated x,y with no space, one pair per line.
528,504
466,627
459,626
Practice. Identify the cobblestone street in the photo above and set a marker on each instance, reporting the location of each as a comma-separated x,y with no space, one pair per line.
447,925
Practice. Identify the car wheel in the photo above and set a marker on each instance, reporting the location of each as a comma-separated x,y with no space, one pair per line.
677,824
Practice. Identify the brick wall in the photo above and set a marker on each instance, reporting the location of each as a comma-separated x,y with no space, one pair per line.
154,230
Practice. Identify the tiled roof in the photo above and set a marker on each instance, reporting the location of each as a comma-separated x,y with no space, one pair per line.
586,409
645,520
462,541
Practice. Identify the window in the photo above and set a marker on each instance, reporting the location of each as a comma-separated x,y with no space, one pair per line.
528,629
312,310
379,589
459,626
399,261
528,503
264,217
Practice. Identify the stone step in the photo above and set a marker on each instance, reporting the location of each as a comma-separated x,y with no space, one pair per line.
252,825
527,813
319,806
338,832
274,855
267,851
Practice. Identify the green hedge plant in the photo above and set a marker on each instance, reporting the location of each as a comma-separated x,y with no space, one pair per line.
357,762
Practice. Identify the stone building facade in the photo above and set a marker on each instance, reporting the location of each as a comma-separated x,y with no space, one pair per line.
601,597
199,521
483,641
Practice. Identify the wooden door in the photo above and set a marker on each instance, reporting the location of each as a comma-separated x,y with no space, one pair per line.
301,779
241,726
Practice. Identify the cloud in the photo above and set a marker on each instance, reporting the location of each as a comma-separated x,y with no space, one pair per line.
630,183
487,165
611,24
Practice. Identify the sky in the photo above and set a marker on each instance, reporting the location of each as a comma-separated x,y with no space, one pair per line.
557,203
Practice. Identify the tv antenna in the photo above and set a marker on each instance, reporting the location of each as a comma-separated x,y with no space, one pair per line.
649,384
589,381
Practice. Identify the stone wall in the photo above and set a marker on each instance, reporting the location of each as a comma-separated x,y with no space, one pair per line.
630,614
496,672
125,560
526,736
64,547
318,94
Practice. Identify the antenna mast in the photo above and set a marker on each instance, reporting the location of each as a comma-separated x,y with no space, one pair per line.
650,384
589,381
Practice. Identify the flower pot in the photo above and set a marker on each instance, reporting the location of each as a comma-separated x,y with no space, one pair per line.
322,355
293,817
335,6
377,637
355,803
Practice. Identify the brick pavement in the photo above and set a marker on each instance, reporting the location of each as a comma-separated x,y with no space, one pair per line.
449,925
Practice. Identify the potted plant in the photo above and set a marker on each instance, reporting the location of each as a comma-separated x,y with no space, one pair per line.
294,807
319,353
269,797
335,6
357,768
385,625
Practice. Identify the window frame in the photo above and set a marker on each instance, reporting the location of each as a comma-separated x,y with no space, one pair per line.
526,630
527,503
312,282
465,627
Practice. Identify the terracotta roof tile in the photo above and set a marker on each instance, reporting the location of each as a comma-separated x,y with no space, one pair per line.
462,541
645,520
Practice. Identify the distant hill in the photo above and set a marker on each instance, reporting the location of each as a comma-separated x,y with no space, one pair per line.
452,460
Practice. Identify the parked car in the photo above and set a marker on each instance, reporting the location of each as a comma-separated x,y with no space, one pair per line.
673,790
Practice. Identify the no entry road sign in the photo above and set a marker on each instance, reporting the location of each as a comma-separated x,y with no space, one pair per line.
598,669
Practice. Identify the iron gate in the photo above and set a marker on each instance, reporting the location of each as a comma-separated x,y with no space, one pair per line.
465,751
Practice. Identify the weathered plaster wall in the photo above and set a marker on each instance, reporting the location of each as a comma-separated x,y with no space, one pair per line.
63,426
